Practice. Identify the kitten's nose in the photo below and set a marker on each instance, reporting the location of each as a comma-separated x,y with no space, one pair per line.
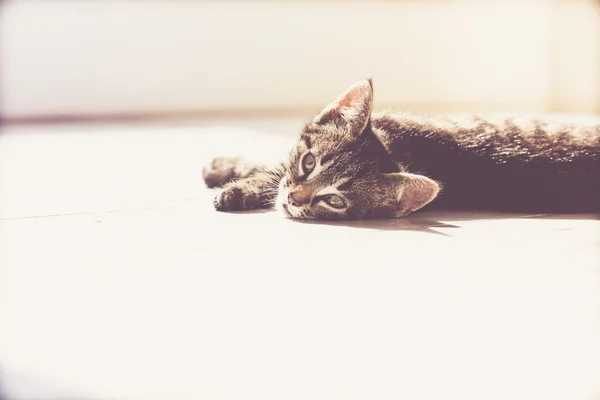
299,196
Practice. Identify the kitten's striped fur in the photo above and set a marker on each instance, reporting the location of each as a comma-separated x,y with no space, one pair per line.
385,164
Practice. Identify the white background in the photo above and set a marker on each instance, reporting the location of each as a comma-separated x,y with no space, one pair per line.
94,57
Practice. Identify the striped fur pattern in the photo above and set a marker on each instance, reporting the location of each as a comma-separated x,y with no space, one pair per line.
350,163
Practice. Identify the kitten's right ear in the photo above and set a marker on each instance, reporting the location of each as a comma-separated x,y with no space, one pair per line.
410,192
352,110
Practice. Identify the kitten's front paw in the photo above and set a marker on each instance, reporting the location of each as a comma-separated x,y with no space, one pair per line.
220,171
236,198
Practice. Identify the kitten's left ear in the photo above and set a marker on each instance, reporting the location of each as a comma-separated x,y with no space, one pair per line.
410,191
352,110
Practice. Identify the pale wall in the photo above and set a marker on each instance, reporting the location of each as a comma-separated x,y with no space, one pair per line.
132,56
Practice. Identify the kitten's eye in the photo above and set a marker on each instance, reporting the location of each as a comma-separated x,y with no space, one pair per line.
335,201
309,163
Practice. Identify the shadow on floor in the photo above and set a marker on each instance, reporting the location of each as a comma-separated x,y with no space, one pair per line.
427,221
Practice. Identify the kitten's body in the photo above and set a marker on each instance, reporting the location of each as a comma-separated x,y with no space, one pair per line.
499,163
386,164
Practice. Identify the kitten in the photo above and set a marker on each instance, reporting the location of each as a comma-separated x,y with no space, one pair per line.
350,163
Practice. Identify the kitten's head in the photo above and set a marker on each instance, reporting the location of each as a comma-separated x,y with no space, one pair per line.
339,169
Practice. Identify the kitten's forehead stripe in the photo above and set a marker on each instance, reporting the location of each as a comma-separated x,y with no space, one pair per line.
345,184
306,139
326,158
324,165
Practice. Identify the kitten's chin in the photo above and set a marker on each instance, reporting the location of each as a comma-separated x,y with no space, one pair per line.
287,211
290,211
280,205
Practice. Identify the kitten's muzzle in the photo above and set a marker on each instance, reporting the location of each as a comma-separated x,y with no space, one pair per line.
299,195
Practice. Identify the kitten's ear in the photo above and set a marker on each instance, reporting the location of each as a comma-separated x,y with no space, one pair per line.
411,192
351,110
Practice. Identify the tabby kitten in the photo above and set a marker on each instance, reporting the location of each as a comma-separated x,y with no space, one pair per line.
351,163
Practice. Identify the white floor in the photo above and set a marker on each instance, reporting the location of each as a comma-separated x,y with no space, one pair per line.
119,281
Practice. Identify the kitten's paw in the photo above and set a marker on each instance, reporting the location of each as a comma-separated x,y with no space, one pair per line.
220,171
236,198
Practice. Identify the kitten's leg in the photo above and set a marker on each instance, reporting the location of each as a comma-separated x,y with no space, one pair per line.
257,191
225,169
